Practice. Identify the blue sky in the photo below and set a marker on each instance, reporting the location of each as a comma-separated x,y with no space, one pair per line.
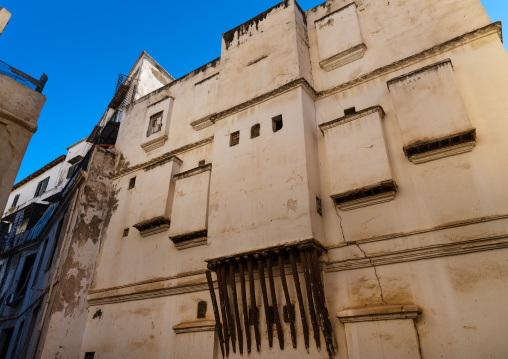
83,49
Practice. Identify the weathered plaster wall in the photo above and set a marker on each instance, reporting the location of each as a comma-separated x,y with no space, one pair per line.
5,15
20,107
438,244
259,190
432,193
460,298
394,30
69,308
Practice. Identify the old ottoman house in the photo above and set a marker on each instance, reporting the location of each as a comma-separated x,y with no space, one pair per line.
332,186
50,231
341,172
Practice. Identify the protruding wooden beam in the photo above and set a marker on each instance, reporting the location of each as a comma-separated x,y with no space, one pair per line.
301,305
291,314
317,297
218,272
327,325
231,320
261,271
235,304
243,293
312,312
278,325
253,306
218,326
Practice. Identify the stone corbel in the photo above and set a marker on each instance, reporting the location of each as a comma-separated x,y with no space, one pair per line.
152,226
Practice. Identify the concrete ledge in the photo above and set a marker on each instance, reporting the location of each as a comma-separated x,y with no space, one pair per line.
153,226
155,143
193,171
355,116
385,312
191,239
366,196
368,201
343,58
194,326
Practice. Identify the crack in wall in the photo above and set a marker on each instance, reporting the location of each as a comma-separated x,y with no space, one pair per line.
366,257
375,272
418,338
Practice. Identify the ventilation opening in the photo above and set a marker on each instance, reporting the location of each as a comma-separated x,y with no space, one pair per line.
349,111
277,123
97,314
319,208
89,355
234,139
126,232
254,130
132,183
201,309
201,163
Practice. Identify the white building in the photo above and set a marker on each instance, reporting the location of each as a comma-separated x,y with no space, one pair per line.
334,185
368,133
50,231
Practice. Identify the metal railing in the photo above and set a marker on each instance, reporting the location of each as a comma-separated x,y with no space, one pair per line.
21,77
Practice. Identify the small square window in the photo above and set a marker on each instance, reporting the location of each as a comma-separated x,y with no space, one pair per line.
234,139
132,183
349,111
319,207
89,355
201,310
155,124
277,123
126,232
254,130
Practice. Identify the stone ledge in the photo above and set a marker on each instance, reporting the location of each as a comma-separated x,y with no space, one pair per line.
164,158
385,312
366,196
348,118
193,171
155,143
191,239
494,28
163,162
194,326
343,58
213,118
203,122
425,151
153,226
416,254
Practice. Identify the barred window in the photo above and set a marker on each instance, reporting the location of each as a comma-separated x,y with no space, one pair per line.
234,139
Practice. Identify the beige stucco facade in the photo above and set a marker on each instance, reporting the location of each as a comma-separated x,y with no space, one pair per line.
20,107
5,15
373,134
